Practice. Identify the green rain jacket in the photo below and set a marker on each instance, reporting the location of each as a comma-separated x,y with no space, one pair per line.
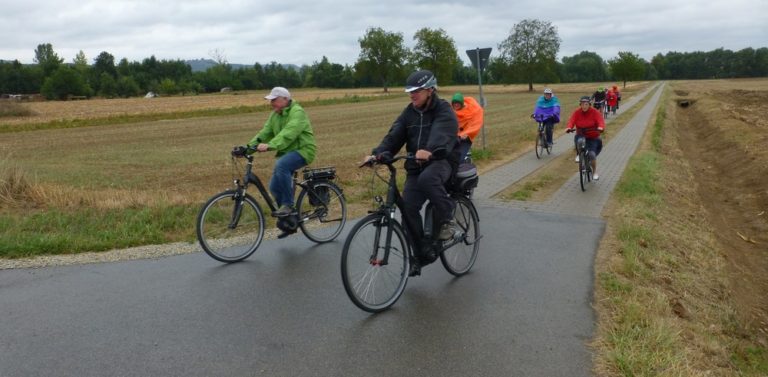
288,131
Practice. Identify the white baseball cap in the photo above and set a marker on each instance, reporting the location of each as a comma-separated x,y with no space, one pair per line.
278,91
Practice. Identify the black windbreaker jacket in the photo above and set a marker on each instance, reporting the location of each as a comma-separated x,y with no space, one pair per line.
435,129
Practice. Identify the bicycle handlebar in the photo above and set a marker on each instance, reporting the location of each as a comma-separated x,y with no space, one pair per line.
582,130
375,161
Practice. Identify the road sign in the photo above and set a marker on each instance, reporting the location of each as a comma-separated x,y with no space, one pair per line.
479,57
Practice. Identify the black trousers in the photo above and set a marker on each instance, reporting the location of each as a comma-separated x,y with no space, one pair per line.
428,184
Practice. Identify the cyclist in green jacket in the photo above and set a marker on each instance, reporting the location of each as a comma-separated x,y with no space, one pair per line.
289,132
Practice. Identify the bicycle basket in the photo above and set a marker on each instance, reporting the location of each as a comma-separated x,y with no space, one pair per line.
581,142
327,173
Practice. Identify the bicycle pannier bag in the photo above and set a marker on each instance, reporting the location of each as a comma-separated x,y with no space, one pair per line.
466,177
322,195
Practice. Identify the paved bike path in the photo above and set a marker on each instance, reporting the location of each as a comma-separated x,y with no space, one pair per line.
524,310
495,181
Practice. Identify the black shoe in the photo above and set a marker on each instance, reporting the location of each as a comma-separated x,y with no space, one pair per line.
415,269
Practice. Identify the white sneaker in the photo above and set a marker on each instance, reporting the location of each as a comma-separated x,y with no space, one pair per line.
576,159
596,177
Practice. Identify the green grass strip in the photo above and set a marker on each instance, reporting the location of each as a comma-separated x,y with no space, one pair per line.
60,232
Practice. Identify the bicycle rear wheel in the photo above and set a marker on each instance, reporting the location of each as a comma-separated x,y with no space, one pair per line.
230,226
374,270
460,258
322,211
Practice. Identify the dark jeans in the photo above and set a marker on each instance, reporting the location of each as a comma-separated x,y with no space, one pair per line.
464,146
549,125
429,184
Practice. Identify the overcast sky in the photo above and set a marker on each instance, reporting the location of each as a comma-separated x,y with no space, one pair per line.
303,31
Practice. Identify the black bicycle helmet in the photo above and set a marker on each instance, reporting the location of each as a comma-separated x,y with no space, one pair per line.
420,80
585,99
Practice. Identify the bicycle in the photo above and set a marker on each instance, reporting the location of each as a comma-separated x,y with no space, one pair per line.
377,255
585,158
230,225
541,141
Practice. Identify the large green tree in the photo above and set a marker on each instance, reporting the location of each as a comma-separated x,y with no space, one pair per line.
382,56
436,51
627,67
47,59
531,49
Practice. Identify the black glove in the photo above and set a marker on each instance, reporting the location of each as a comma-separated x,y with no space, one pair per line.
239,151
384,157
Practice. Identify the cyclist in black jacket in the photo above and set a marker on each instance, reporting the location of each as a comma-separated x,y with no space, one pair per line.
428,128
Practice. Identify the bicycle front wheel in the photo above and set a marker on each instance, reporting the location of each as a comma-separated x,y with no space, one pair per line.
230,226
460,258
540,145
375,263
322,211
582,170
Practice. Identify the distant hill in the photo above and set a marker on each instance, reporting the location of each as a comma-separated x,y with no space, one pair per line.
200,65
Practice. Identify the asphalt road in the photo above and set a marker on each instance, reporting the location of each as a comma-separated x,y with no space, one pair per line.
523,310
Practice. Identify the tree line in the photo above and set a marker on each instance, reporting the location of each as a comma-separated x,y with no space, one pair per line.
527,55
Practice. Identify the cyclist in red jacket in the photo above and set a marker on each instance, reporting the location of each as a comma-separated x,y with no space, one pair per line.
588,123
612,100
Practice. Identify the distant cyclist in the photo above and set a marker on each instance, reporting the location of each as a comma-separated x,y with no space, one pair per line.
612,100
618,95
547,111
589,124
470,116
598,98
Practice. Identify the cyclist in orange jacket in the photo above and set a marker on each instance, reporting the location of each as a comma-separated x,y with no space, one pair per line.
470,116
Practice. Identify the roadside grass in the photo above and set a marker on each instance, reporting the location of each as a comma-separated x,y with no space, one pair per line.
660,282
531,186
90,229
156,174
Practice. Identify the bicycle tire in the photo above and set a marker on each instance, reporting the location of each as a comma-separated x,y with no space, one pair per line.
372,286
582,170
460,258
323,221
539,148
215,233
